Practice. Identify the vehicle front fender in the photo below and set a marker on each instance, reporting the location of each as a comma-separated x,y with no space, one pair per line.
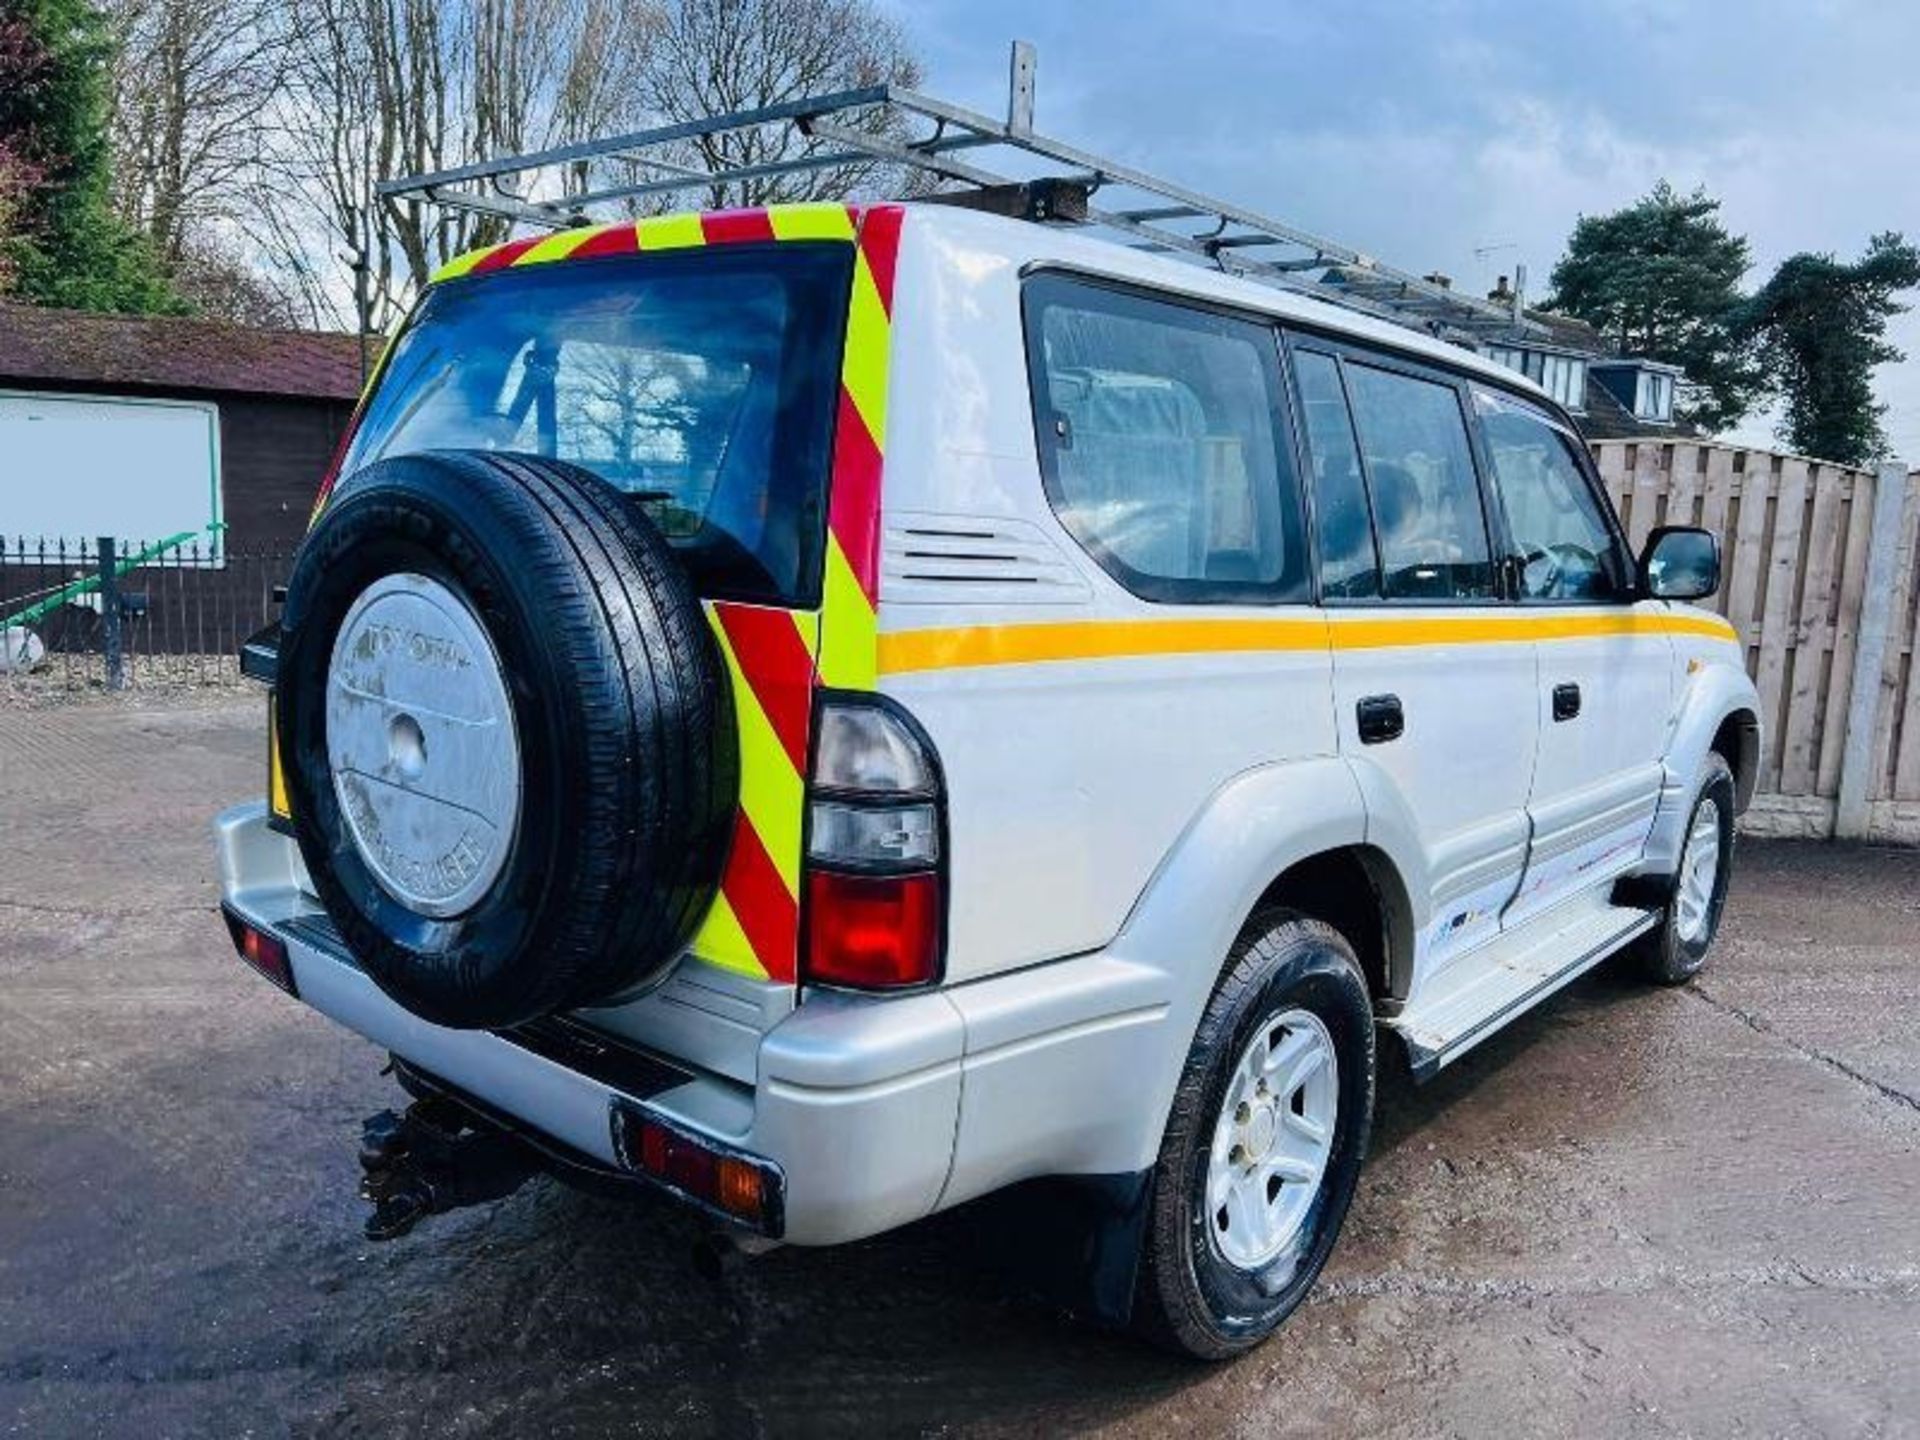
1715,690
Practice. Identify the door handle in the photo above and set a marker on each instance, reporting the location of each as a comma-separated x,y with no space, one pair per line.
1380,719
1566,701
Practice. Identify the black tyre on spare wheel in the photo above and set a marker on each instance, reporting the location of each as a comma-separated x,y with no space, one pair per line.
508,735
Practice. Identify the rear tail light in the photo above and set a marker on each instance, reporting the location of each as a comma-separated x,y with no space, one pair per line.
877,932
875,895
265,952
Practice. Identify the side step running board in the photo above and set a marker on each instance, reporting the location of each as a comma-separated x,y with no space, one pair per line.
1482,991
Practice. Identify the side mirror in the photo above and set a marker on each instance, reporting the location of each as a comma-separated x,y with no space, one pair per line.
1680,563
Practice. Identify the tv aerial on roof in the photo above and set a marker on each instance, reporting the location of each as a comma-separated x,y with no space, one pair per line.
964,149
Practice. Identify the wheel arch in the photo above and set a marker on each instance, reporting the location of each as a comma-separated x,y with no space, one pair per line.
1359,891
1737,740
1720,713
1269,833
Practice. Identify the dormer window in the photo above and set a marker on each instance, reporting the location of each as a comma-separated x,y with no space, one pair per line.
1644,387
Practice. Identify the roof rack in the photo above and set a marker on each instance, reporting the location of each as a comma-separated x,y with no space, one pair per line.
857,128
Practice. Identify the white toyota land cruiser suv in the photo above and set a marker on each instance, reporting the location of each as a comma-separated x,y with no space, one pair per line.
836,710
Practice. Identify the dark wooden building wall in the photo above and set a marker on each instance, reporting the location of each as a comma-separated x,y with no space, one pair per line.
273,453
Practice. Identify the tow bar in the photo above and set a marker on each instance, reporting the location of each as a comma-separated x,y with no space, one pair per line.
435,1158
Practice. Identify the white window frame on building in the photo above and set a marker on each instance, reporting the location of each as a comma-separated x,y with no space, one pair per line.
1561,373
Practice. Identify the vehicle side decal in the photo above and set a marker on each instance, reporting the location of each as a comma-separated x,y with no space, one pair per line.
907,651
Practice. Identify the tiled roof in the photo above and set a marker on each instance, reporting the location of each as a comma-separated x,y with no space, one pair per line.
164,352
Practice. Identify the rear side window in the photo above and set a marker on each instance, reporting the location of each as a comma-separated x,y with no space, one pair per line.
701,383
1427,512
1160,443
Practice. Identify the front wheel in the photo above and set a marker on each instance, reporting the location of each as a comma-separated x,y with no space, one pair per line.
1675,950
1263,1147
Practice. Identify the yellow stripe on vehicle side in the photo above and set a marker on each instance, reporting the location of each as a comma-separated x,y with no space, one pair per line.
907,651
1372,633
720,940
671,232
810,222
771,791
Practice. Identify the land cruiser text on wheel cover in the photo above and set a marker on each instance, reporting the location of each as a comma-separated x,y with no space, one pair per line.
508,734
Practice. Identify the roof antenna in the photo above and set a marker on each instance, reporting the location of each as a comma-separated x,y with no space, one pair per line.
1020,70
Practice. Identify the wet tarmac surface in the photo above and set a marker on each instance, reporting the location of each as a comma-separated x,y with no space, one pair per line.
1633,1212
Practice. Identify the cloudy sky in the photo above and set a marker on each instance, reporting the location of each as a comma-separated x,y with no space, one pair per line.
1467,135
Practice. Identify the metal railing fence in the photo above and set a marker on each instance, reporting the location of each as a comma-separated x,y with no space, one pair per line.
115,612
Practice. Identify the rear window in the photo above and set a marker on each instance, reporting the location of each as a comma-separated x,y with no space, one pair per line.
701,383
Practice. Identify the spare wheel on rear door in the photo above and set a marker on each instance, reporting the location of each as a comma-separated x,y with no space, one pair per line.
508,735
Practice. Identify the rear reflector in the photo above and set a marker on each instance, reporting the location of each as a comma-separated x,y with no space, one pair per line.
876,932
742,1188
264,952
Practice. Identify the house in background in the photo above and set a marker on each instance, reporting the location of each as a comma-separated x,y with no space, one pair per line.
1613,397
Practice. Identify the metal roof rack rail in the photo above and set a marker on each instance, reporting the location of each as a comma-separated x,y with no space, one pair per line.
846,129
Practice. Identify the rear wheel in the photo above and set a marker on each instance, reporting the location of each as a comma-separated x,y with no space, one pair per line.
1676,950
1263,1147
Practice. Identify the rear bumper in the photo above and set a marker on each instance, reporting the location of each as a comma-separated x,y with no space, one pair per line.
877,1110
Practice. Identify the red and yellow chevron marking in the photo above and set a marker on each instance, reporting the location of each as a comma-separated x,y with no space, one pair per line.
777,657
753,926
848,623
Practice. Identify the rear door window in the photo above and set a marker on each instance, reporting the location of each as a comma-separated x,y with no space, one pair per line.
1160,442
700,383
1427,511
1349,568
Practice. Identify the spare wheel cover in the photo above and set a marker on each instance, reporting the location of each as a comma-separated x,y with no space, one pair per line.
422,746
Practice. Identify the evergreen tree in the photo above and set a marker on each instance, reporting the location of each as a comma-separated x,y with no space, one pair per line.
1661,279
62,243
1821,327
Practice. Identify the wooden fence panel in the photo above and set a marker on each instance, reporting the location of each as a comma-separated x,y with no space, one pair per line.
1779,577
1796,536
1846,630
1812,639
1897,678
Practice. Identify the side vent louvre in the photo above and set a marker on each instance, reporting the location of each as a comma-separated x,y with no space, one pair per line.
960,559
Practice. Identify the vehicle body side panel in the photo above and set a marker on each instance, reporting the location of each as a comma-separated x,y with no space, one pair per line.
1597,779
1092,1098
1078,739
1710,684
1463,766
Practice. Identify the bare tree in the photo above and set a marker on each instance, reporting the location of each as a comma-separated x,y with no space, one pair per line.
383,88
712,57
192,82
253,133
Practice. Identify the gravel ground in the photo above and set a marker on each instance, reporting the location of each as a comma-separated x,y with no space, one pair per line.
1634,1212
